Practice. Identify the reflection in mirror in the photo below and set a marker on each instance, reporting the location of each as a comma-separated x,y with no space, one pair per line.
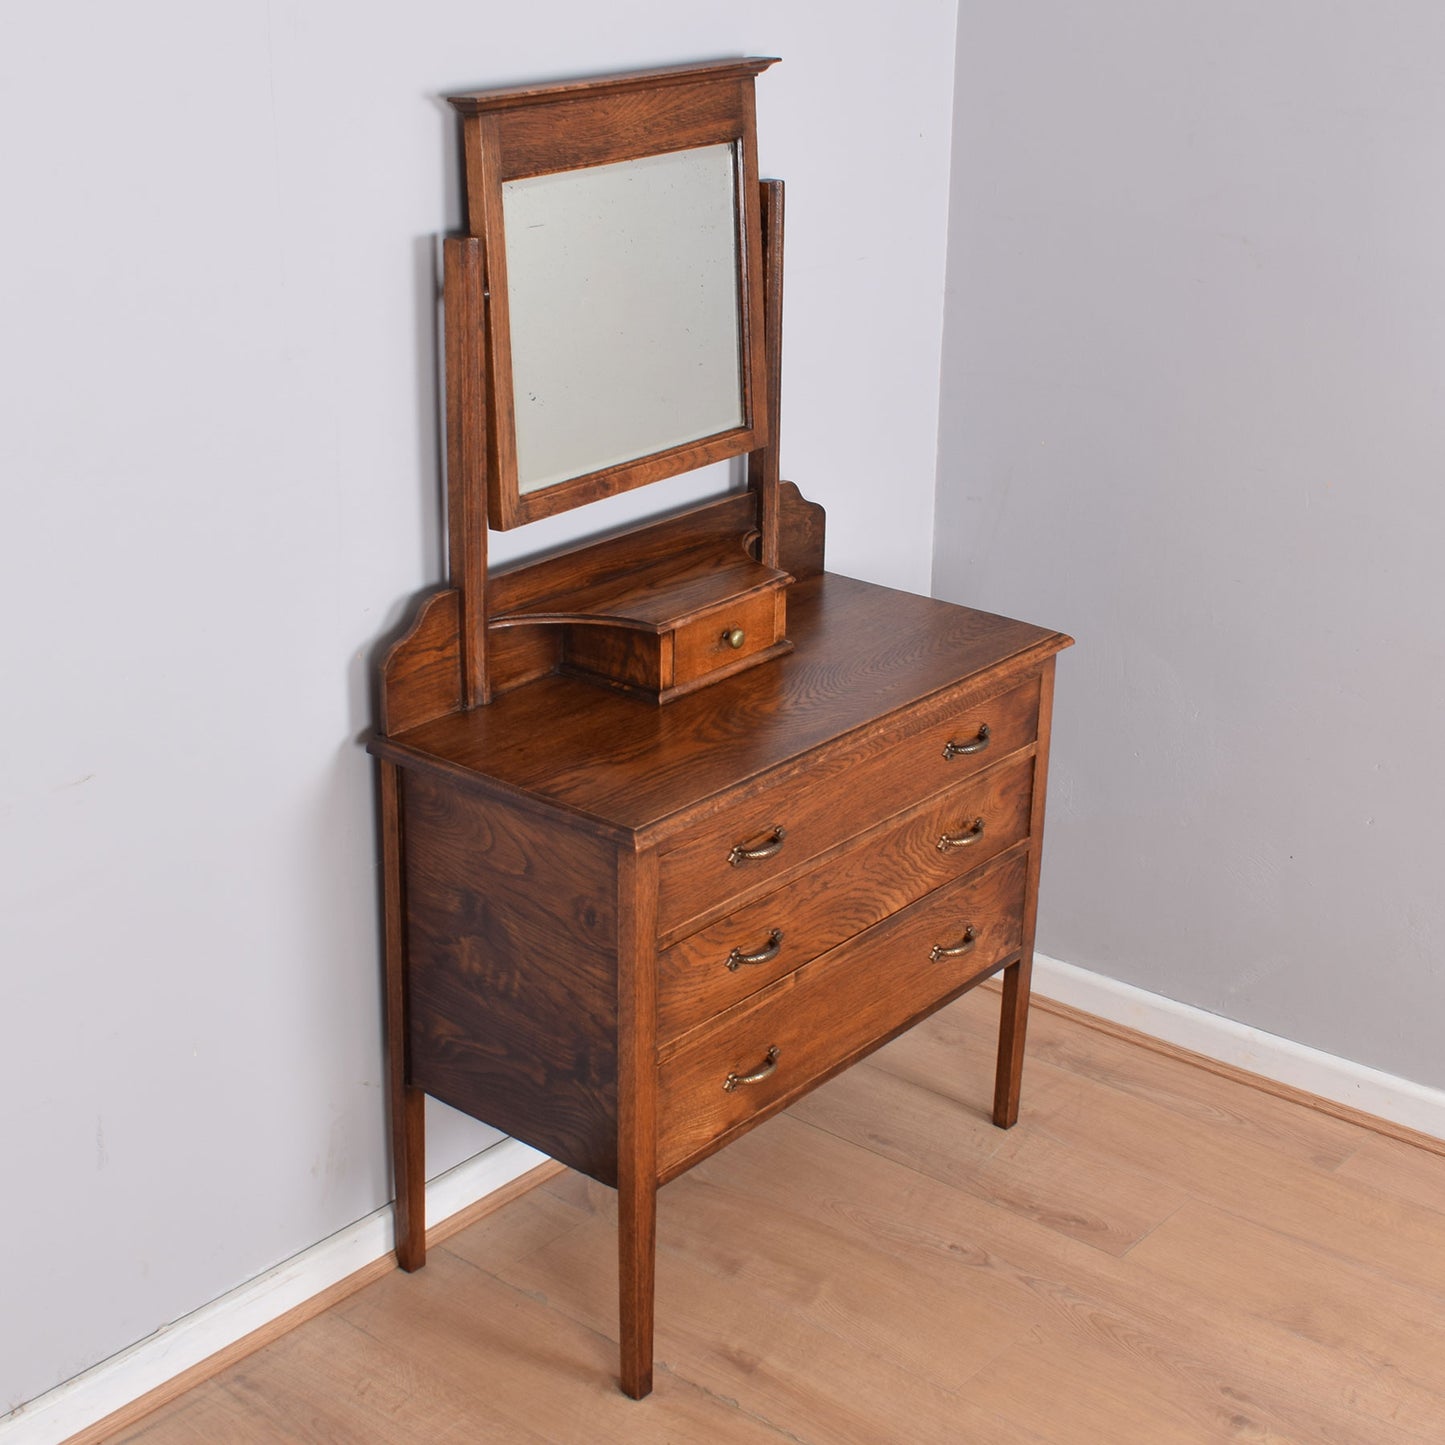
623,293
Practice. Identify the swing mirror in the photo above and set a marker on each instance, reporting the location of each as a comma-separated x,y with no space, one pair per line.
621,282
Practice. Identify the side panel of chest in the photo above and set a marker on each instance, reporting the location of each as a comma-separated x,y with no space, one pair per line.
511,948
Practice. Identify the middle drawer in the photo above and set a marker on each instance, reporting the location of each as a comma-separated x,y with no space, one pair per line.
878,873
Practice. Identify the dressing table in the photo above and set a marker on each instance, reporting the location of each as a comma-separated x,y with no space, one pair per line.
676,825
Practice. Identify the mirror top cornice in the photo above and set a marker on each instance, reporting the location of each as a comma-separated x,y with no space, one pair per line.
509,97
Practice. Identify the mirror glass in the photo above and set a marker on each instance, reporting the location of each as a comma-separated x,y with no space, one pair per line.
623,299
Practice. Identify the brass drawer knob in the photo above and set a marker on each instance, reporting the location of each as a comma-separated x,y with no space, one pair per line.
768,1067
976,744
961,840
941,951
770,848
769,951
734,637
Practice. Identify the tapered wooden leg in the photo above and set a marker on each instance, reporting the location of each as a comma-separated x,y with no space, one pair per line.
408,1149
1013,1025
636,1114
1017,977
407,1105
636,1260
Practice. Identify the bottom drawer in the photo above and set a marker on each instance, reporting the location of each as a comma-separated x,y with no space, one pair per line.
763,1053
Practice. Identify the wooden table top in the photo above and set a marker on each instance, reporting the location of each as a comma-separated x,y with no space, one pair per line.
862,652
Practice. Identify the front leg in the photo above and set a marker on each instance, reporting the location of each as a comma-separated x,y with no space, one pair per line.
636,1268
406,1104
1013,1025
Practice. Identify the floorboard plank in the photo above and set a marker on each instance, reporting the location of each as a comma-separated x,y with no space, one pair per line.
1247,1177
1398,1169
1055,1183
1224,1104
1365,1323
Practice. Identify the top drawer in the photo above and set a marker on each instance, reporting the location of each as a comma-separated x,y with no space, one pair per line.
774,828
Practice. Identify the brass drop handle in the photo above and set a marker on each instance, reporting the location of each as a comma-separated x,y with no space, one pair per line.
961,840
976,744
769,849
941,951
734,638
769,951
768,1067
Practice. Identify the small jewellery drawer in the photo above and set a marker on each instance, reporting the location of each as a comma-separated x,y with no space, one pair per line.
661,659
841,790
762,1054
728,634
882,871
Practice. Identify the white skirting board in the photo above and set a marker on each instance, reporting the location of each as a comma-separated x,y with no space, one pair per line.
69,1408
62,1412
1414,1106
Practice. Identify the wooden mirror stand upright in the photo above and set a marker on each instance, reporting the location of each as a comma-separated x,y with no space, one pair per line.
647,881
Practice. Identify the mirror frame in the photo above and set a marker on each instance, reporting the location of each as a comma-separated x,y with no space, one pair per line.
523,131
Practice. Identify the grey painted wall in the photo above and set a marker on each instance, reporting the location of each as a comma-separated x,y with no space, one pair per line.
1193,412
218,416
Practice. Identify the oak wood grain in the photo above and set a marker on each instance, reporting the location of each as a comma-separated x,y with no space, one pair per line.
464,292
833,794
637,1118
421,674
704,646
765,463
523,598
802,526
405,1102
849,889
657,594
835,1009
604,125
867,660
539,584
508,97
531,1050
660,630
1017,977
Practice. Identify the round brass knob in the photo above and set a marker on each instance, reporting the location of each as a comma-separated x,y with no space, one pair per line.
735,637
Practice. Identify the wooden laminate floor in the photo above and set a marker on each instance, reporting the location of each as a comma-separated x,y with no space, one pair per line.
1154,1254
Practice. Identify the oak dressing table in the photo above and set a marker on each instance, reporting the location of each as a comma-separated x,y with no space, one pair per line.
676,825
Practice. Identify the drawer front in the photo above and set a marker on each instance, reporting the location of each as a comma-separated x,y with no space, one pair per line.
759,1056
703,646
752,846
884,870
